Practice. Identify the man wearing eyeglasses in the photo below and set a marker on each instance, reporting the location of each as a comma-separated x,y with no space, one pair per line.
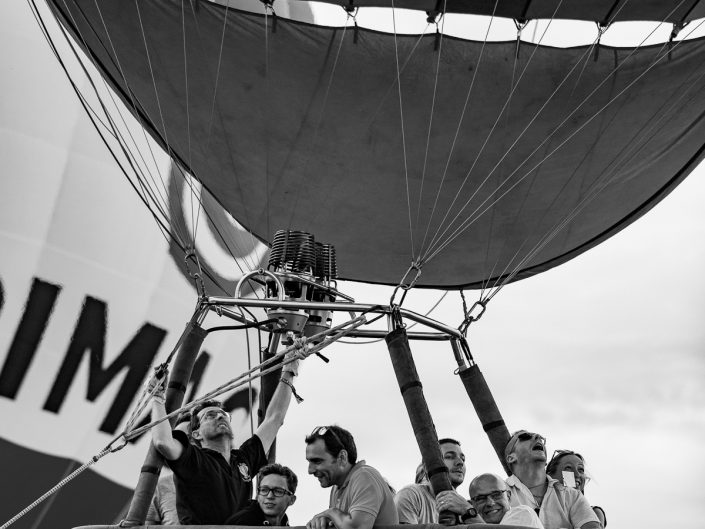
360,497
558,506
214,481
489,495
275,493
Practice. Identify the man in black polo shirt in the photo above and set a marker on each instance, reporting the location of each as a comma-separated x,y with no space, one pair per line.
213,480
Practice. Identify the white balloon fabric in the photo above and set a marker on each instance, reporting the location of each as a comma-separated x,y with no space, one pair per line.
91,295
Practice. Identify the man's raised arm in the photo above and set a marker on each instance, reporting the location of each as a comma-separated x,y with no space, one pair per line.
162,439
278,406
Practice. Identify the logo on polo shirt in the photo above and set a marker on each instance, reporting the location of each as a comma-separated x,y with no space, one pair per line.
244,471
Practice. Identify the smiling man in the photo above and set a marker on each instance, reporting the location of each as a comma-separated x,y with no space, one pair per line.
360,497
214,481
490,496
416,503
558,506
275,493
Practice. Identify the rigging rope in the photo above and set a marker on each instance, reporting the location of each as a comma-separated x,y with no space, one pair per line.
433,106
436,235
457,131
472,218
403,134
108,449
302,348
152,195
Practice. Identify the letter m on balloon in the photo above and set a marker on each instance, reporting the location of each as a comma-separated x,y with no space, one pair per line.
89,339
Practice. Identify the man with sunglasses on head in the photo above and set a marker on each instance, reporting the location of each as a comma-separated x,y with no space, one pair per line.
489,495
214,480
558,506
275,493
360,497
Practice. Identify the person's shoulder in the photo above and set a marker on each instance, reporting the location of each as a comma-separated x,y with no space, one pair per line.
362,470
249,515
410,490
181,436
251,446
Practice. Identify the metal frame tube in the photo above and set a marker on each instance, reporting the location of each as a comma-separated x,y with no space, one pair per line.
335,307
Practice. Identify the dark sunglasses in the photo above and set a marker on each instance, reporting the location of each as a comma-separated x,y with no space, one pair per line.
523,436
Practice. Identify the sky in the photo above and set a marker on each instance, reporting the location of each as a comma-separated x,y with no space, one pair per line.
603,355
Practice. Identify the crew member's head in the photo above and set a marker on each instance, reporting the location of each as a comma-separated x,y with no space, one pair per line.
331,454
209,420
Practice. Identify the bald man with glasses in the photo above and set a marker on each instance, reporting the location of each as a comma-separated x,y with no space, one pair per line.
489,495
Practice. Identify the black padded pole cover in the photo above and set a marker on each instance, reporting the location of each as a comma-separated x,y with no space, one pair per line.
421,422
192,339
486,409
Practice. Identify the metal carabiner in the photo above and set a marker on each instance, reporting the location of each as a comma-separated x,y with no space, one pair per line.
404,285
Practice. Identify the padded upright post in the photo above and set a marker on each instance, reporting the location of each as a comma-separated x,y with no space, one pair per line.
191,342
486,409
421,422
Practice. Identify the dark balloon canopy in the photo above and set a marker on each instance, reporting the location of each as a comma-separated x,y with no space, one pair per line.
485,161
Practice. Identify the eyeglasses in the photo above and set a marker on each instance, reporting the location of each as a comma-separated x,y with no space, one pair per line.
495,495
320,431
277,491
211,415
523,435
